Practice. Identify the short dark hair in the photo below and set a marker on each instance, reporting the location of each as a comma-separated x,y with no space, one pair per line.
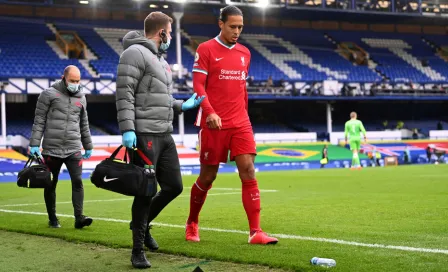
229,11
156,21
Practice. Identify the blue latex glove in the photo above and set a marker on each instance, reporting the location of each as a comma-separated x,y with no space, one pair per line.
35,151
192,102
87,154
129,139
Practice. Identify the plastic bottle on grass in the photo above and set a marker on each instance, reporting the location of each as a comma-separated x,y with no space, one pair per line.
323,262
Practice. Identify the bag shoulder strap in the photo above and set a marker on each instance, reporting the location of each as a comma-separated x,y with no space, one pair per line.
144,158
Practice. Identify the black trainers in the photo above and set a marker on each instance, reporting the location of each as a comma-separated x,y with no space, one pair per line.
150,242
54,224
138,260
83,221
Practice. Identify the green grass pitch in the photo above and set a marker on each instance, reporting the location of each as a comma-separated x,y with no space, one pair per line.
374,219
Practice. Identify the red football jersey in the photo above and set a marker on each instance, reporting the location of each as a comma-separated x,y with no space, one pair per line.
226,68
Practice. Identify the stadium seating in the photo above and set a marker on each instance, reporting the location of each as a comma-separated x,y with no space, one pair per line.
25,52
398,55
106,57
19,127
299,55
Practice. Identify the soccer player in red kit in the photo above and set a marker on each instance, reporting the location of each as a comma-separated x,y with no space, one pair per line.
220,71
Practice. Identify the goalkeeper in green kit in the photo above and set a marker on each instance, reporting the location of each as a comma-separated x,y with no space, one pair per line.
354,127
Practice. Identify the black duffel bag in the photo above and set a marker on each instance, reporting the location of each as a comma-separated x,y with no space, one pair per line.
125,178
34,176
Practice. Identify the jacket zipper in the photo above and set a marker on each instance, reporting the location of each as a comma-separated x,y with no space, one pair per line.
168,94
66,121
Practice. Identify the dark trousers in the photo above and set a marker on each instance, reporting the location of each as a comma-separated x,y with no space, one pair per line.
74,167
161,150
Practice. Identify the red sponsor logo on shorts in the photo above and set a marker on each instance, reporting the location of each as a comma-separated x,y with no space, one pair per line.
149,144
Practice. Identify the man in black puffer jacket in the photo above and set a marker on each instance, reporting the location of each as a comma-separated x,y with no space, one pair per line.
61,118
146,108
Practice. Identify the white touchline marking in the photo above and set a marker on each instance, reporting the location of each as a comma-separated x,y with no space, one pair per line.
213,189
284,236
66,202
129,198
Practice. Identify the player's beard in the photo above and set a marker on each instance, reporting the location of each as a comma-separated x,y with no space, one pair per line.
231,41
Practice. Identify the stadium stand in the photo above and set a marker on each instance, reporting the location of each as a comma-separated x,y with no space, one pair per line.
290,58
398,55
26,53
281,54
19,127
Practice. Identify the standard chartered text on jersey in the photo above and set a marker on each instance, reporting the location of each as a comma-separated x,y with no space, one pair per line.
236,75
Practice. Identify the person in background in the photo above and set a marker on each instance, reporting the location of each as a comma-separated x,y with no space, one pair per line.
61,119
354,128
270,85
407,155
371,156
377,157
428,153
324,159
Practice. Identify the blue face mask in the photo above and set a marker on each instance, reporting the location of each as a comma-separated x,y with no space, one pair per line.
165,46
73,88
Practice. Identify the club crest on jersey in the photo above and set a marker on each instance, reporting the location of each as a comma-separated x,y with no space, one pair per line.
243,62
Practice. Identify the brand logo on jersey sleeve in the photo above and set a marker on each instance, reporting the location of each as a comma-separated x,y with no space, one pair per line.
196,57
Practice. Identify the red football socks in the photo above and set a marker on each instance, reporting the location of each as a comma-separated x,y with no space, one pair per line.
251,203
197,199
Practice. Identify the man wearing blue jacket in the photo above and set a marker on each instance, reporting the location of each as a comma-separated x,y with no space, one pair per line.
145,110
61,119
